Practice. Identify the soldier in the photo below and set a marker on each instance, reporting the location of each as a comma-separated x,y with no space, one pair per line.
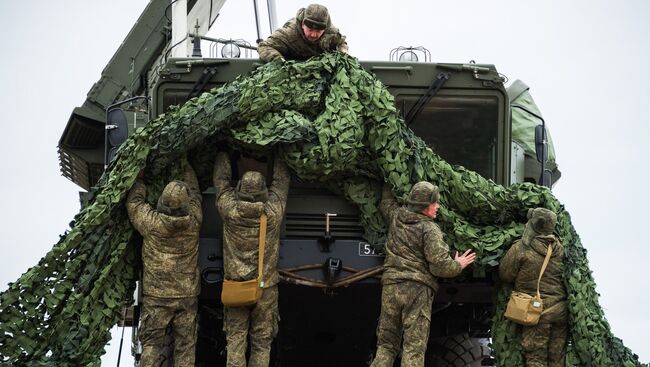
171,274
309,34
543,344
240,209
415,255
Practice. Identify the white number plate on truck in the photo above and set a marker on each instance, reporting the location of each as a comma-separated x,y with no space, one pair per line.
366,249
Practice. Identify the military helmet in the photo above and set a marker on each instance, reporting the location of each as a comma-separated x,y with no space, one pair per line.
175,199
542,220
316,17
252,187
422,195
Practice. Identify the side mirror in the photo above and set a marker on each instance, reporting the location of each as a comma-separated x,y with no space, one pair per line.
116,133
111,155
546,178
116,127
541,148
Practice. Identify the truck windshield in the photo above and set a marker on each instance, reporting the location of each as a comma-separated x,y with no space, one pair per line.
463,130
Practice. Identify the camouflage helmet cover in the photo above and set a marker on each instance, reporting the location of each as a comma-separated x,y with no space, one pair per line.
175,199
542,220
422,195
317,17
252,187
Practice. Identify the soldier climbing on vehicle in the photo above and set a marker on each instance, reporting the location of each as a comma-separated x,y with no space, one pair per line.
171,275
310,33
415,255
543,344
241,209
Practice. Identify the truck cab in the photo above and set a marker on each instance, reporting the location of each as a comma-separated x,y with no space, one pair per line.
330,289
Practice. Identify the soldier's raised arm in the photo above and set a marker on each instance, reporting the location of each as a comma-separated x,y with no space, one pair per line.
336,40
276,46
225,199
510,263
343,47
388,204
189,177
436,252
140,212
222,173
281,179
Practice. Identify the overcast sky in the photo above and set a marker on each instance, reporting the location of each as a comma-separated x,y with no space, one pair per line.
585,62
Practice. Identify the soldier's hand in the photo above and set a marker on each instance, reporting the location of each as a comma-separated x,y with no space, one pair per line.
465,259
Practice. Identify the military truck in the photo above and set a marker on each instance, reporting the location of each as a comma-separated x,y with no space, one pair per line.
330,289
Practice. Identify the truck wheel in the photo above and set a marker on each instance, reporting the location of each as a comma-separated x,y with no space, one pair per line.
458,351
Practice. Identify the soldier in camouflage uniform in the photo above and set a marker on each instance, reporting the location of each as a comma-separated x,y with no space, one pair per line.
171,275
240,209
415,256
309,34
543,344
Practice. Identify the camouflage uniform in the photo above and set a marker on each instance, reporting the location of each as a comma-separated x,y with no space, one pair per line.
240,209
171,275
415,255
290,43
545,343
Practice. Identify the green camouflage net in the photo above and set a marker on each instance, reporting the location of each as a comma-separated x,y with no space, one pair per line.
332,122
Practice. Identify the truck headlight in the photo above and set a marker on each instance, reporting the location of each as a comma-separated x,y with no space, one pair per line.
408,56
230,51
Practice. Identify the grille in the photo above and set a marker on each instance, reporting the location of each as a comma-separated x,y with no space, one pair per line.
302,225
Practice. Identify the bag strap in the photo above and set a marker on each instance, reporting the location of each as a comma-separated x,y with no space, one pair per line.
541,272
265,282
262,240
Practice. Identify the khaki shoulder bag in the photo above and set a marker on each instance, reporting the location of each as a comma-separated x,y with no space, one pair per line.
236,294
523,308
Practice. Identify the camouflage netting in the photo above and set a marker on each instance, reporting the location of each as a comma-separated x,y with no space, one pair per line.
331,121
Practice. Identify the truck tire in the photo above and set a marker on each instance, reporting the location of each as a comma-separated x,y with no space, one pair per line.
458,351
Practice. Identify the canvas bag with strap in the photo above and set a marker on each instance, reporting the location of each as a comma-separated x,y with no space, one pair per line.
235,293
523,308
